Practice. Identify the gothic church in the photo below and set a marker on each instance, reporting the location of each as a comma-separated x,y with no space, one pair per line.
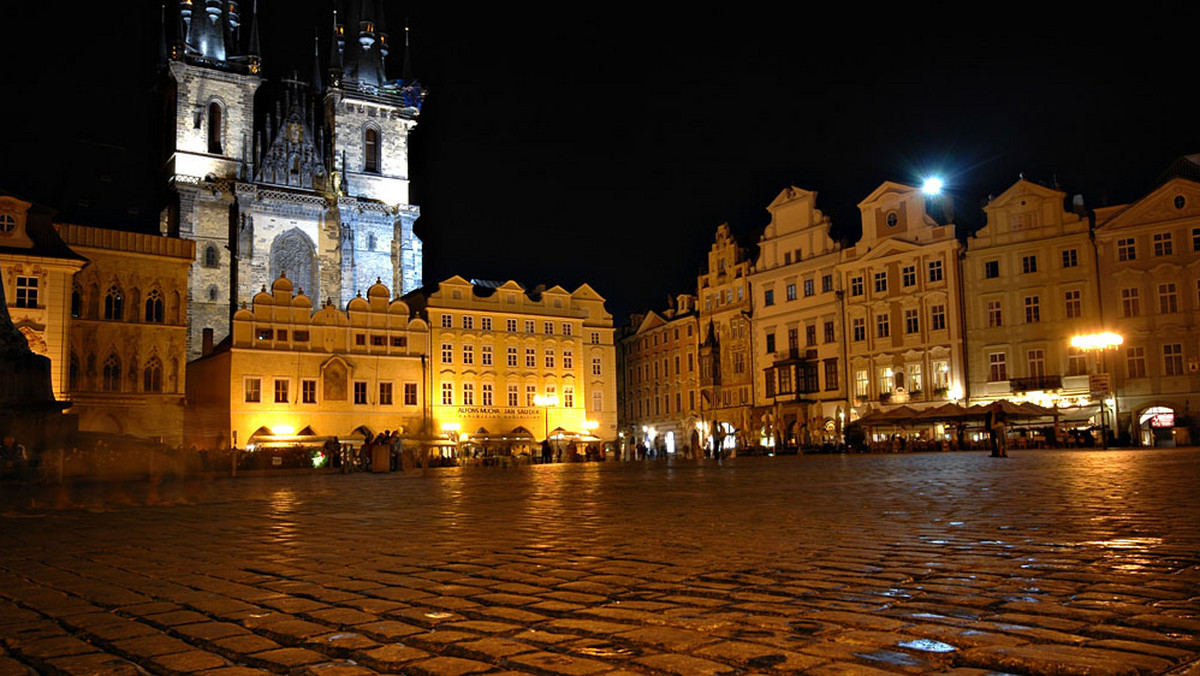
314,186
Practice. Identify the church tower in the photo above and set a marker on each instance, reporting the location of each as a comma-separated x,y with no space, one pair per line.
369,119
311,182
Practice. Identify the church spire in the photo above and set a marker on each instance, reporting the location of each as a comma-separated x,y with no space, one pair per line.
254,53
337,48
407,74
316,72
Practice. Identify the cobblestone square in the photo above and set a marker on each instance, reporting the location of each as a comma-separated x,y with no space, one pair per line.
1043,563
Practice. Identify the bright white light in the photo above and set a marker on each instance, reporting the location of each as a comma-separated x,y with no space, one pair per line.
933,186
1097,341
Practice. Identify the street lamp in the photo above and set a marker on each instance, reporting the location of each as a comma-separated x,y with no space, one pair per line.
545,402
1099,343
932,186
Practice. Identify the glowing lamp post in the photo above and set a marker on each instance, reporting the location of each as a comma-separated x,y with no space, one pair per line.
546,402
1100,343
932,186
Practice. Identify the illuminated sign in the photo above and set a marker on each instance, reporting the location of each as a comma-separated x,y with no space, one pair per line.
1162,420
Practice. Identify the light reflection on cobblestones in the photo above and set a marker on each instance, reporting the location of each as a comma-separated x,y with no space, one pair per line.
1042,563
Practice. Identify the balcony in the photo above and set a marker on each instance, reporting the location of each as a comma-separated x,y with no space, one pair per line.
1036,383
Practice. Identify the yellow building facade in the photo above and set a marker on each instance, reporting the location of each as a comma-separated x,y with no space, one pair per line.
1031,272
800,387
128,332
289,375
511,366
902,291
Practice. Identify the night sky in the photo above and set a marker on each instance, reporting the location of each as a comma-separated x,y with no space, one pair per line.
606,143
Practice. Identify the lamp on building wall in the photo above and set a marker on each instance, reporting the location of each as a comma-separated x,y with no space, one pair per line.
1101,382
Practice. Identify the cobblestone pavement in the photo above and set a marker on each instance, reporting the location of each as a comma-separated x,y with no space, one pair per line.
1047,563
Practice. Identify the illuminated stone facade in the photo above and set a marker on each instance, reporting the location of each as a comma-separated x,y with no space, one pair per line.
291,375
902,300
726,374
1031,272
800,384
1148,253
128,332
317,188
660,379
36,268
509,365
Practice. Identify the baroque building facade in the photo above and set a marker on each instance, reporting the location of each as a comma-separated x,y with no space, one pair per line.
314,185
800,387
1031,271
658,377
291,375
511,367
905,343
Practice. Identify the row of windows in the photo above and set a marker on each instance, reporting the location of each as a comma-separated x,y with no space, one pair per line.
809,286
908,278
549,358
652,341
662,405
110,375
466,395
1162,244
1077,362
636,373
912,323
1167,294
810,337
467,322
114,307
911,377
724,297
800,378
282,392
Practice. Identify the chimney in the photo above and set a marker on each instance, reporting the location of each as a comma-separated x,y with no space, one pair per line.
206,343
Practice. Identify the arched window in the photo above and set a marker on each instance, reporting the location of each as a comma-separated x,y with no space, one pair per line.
212,258
112,374
371,150
76,302
371,242
114,304
154,306
152,376
214,128
212,292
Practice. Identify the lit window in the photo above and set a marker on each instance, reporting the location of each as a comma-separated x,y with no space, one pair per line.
530,394
7,224
808,288
791,291
862,383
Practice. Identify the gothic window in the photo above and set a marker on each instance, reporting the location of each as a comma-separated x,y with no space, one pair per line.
152,376
371,150
293,253
76,302
211,256
212,292
114,304
112,374
214,128
371,242
154,306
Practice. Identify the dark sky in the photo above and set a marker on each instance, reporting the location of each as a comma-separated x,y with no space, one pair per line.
605,143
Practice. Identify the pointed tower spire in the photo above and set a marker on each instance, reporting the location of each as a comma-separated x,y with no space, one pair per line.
407,74
337,47
162,38
254,51
316,72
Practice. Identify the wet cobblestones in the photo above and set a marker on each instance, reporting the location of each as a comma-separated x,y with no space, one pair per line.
1045,563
